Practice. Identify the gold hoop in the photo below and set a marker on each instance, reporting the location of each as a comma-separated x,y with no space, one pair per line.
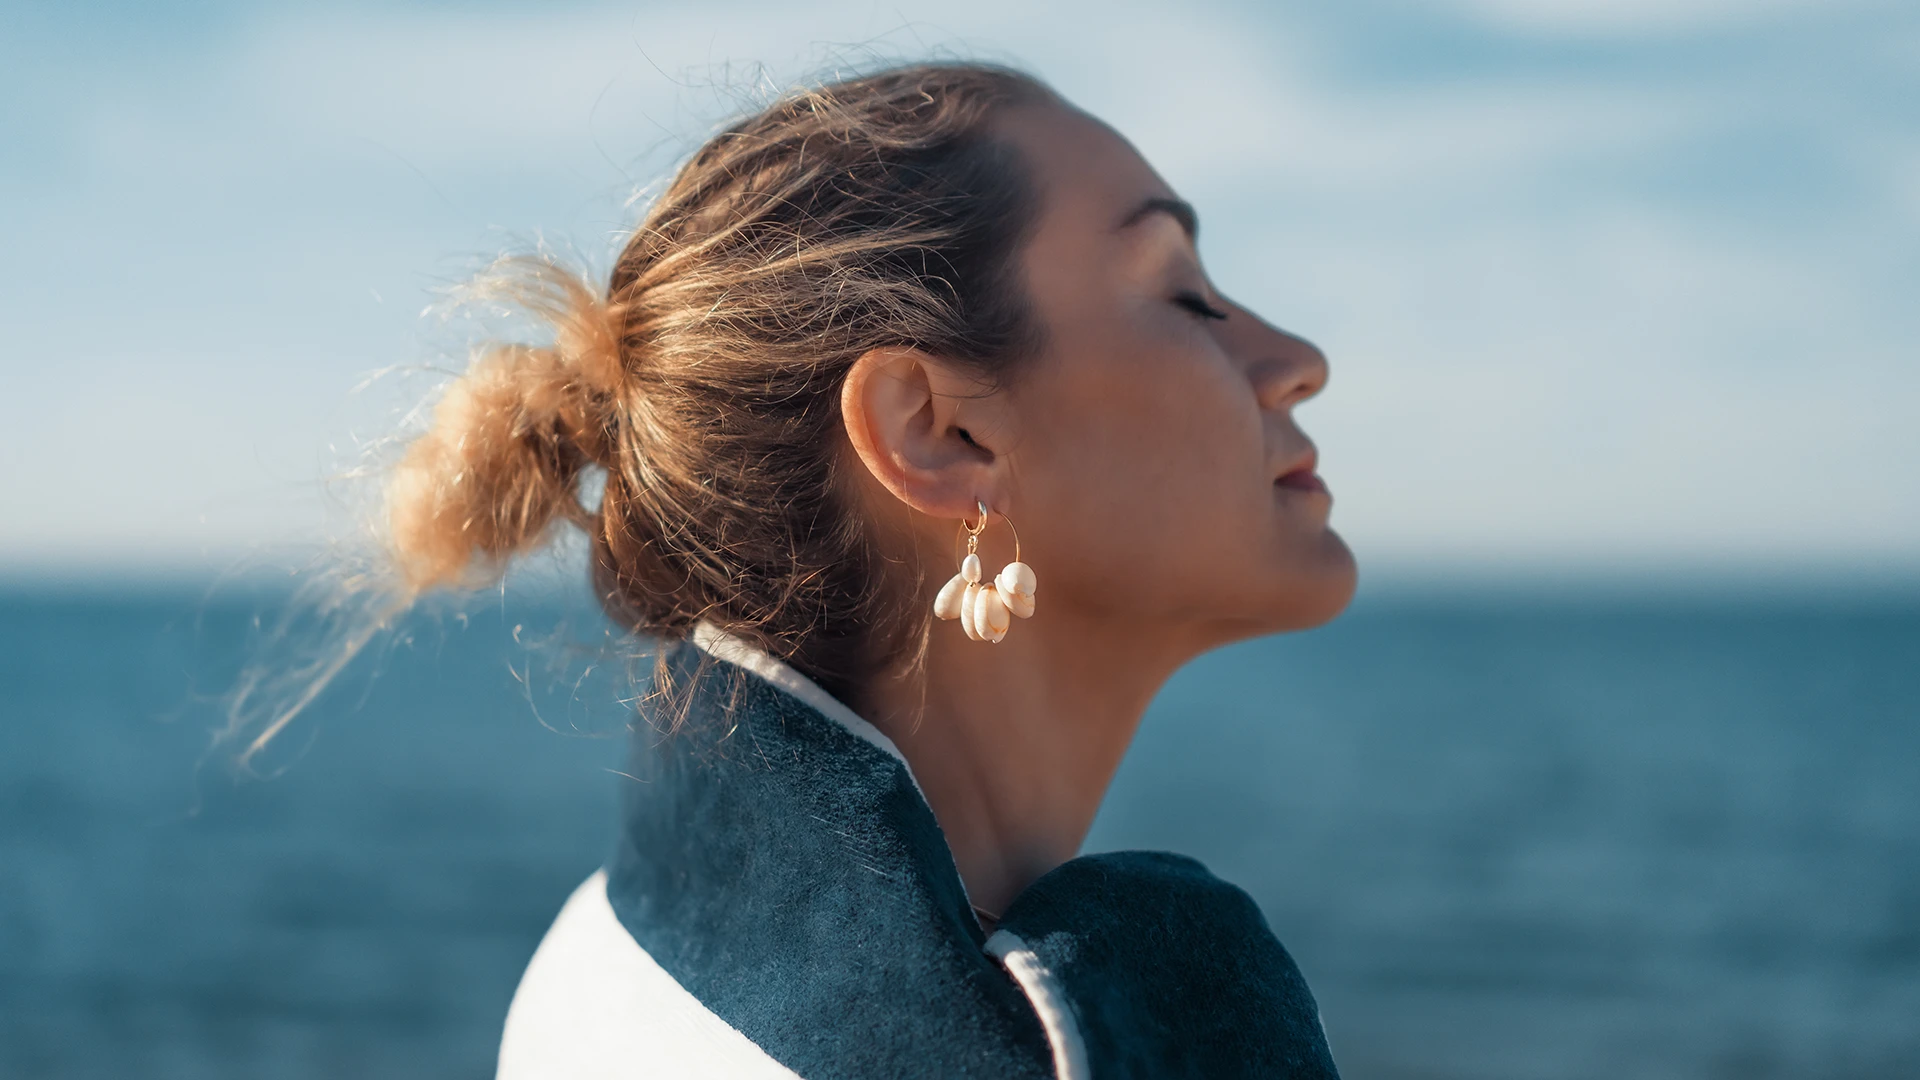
972,532
976,530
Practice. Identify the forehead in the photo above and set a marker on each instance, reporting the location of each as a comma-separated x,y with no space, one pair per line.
1088,176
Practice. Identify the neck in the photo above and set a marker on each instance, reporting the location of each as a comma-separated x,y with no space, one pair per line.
1015,744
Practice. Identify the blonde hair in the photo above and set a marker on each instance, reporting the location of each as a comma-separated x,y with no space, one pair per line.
703,381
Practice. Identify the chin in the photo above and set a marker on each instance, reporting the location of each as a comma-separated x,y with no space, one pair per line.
1320,584
1308,588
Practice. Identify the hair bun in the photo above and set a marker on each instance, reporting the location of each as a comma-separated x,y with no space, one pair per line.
500,461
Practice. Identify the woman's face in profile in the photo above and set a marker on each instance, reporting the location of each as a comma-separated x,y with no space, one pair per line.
1158,472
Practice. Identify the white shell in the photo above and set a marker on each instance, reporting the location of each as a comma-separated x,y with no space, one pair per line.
970,567
1017,577
991,618
969,603
947,604
1020,604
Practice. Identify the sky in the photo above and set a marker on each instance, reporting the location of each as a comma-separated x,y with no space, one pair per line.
1606,284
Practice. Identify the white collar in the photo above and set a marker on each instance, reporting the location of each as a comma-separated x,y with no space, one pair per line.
737,650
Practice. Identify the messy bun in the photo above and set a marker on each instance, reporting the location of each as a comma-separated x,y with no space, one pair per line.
502,458
703,382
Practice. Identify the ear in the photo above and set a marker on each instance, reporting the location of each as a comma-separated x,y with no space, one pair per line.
919,426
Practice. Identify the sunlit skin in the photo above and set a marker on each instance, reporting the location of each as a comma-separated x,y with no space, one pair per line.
1163,492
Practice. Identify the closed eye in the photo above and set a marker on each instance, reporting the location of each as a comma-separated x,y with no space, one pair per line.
1197,304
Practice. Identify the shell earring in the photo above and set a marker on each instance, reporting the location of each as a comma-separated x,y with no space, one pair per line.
985,609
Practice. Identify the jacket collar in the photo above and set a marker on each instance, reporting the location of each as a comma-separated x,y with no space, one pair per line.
721,645
778,859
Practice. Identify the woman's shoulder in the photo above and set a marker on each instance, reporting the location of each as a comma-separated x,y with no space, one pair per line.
1164,970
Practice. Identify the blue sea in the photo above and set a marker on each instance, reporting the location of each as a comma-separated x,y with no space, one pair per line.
1566,835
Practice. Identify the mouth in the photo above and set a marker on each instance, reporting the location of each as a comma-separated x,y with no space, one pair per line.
1302,477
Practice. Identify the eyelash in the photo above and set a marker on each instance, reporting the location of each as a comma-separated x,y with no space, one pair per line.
1197,304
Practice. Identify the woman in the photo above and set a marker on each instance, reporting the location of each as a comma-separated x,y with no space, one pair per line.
926,339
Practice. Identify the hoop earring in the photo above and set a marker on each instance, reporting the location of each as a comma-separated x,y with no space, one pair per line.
985,610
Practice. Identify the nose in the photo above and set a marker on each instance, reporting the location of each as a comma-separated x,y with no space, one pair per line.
1286,370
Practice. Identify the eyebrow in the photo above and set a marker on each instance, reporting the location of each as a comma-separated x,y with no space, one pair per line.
1178,209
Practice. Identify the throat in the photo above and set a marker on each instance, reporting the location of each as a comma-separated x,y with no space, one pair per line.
1014,749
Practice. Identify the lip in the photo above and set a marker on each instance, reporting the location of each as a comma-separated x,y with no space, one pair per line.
1302,477
1303,480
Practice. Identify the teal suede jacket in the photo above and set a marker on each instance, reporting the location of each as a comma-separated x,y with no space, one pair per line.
781,902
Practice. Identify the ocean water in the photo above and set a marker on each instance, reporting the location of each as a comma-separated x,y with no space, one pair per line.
1539,838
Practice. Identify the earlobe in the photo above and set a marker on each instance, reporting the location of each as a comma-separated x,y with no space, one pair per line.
902,411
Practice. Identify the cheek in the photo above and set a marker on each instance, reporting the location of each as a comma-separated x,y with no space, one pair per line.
1151,470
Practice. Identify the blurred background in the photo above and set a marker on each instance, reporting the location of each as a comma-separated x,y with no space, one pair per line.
1613,768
